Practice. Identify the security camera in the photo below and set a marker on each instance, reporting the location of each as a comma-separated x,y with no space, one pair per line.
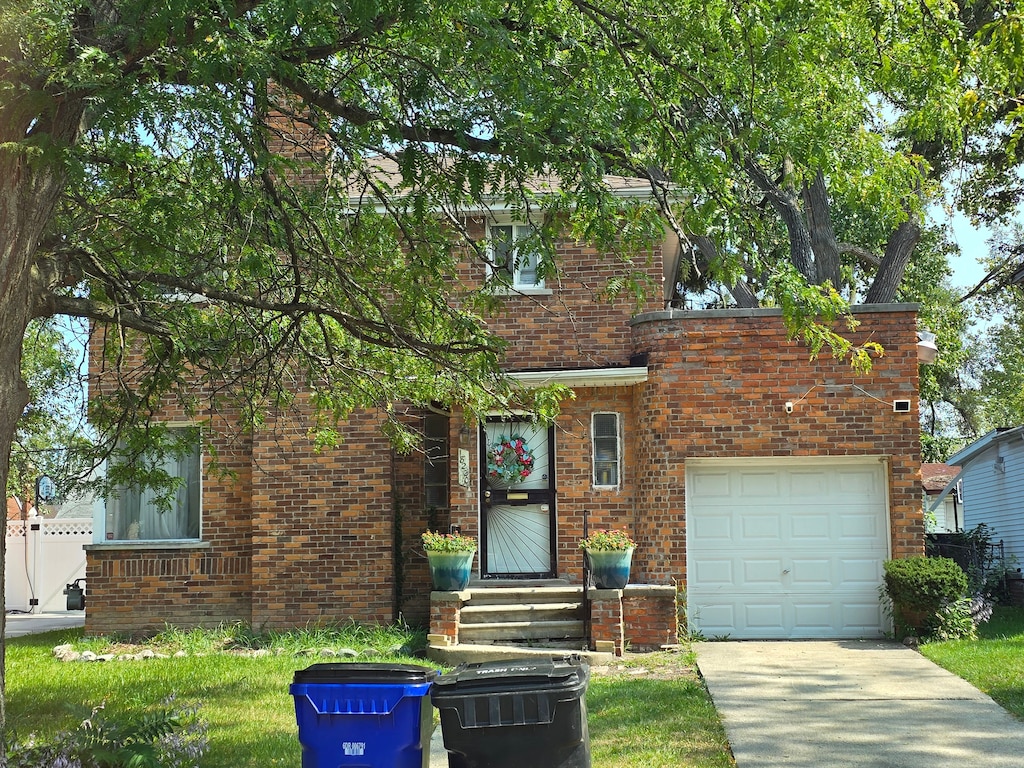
789,407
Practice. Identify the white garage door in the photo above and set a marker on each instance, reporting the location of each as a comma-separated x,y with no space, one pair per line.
786,549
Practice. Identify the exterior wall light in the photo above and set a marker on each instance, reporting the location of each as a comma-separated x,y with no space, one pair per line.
927,350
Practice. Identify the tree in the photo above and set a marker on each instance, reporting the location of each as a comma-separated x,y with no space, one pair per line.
152,181
52,438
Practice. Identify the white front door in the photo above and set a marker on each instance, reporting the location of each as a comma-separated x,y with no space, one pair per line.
518,518
780,549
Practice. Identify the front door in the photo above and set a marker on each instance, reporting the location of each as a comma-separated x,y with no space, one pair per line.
517,510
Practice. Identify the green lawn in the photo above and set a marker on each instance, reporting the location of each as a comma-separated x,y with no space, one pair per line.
994,663
655,718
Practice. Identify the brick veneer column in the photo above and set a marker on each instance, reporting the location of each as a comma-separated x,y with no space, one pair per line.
445,608
606,630
649,616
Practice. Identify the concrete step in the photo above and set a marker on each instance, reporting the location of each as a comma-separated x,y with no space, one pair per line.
520,630
511,612
469,653
524,595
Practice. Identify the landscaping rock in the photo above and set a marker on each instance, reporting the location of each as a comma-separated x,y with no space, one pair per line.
66,653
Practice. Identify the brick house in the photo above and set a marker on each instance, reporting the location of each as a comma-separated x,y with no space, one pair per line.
765,486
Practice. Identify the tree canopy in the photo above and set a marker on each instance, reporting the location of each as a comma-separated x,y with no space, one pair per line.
189,173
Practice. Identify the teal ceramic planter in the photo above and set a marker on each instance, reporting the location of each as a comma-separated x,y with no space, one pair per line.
450,571
610,569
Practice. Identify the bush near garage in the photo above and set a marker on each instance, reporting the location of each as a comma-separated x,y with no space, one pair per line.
920,588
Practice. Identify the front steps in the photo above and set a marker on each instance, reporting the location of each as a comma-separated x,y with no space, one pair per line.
525,616
518,620
493,620
539,617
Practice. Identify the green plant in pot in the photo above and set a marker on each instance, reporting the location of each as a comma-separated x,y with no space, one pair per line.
450,556
610,555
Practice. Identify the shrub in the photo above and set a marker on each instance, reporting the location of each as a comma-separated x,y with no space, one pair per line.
919,587
953,621
169,736
924,583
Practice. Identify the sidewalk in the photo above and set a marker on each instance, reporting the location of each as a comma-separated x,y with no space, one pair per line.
19,624
856,704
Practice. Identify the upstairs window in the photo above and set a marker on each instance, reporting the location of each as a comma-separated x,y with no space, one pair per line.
143,514
514,255
607,449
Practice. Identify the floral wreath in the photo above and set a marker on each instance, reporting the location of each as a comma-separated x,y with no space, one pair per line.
509,461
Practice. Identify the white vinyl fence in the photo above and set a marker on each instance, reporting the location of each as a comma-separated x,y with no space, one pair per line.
43,557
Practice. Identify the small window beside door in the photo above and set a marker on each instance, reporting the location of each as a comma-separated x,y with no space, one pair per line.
607,449
436,461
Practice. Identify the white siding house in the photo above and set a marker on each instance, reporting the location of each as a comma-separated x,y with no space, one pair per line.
948,516
992,475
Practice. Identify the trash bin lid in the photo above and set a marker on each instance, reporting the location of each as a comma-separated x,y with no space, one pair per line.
513,675
364,673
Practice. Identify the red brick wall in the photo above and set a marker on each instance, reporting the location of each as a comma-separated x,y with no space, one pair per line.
649,617
718,385
295,536
574,326
141,589
322,535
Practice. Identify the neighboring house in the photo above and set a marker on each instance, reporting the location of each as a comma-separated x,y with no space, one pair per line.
767,486
992,475
948,515
44,554
16,509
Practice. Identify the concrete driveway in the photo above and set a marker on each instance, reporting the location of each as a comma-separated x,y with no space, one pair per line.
855,704
18,624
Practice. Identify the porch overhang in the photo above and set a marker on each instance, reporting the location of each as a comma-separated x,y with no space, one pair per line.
584,377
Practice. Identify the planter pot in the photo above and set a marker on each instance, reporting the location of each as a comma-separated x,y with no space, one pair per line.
610,569
450,571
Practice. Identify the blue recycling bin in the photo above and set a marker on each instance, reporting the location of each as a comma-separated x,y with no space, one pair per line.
364,715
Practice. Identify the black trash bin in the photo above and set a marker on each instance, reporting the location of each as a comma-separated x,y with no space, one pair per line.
364,715
519,713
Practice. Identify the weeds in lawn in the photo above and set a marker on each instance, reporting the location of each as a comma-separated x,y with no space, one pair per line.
169,736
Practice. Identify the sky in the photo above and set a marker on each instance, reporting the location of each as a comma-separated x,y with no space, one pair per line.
973,245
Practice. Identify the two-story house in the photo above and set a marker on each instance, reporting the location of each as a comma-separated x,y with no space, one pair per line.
766,486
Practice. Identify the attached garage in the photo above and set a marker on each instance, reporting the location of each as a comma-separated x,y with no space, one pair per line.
786,548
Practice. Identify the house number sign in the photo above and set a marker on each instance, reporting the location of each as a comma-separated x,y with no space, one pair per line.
463,467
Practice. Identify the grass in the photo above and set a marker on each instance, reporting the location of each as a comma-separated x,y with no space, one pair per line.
655,716
994,663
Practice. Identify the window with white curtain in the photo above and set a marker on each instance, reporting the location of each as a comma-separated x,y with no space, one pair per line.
515,260
607,449
143,514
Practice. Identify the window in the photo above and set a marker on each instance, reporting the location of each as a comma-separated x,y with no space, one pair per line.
143,514
514,264
607,452
435,466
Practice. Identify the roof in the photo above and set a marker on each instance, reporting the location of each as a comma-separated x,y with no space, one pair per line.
935,476
973,451
386,171
14,511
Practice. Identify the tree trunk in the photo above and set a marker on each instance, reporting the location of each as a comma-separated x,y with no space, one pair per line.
785,204
30,187
741,293
897,255
823,236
